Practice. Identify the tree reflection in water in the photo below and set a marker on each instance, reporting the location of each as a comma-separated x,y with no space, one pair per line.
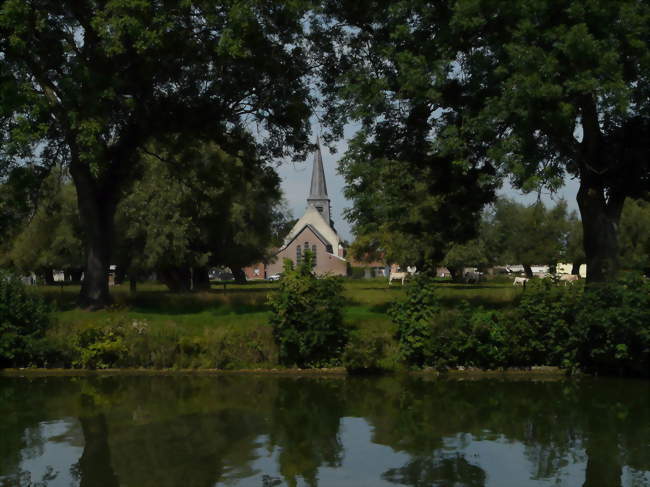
434,470
270,431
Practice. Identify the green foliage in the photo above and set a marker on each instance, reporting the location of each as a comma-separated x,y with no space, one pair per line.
409,206
209,208
89,87
635,235
357,272
371,353
613,328
307,316
24,318
413,317
494,87
470,254
526,235
122,342
99,347
542,327
53,237
601,330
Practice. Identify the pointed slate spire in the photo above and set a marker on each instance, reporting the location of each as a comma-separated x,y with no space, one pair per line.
318,192
318,186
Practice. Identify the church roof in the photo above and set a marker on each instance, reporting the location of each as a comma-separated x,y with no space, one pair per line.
318,188
314,219
319,235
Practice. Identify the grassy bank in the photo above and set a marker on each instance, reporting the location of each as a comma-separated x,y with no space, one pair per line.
225,327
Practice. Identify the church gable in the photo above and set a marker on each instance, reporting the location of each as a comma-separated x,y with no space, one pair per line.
314,219
313,236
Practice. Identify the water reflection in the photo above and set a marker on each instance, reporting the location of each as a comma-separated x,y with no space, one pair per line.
270,431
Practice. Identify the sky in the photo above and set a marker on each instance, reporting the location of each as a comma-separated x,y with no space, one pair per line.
296,179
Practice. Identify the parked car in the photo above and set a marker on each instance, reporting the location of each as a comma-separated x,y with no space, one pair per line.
275,277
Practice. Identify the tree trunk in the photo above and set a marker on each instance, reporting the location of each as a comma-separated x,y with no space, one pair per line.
48,277
600,220
133,285
239,274
94,289
120,274
575,267
455,273
528,271
75,275
201,279
96,210
600,204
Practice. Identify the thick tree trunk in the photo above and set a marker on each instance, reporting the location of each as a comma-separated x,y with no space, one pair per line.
96,211
599,201
600,220
94,290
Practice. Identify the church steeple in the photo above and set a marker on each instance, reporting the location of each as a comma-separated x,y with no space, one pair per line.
318,192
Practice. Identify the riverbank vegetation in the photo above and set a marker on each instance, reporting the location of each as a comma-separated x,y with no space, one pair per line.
439,324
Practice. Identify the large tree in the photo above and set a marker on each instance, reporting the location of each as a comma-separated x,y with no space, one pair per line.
52,239
89,84
206,208
552,86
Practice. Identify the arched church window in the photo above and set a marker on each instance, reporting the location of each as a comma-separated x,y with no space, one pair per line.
298,254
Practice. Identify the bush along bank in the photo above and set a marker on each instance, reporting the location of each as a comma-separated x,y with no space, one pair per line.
602,330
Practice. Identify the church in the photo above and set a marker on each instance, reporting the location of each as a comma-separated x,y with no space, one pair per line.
314,231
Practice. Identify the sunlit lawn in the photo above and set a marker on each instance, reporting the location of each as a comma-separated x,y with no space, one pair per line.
245,305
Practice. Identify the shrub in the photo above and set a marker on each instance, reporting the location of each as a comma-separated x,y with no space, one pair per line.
603,329
307,316
612,332
100,347
414,317
541,330
24,318
370,353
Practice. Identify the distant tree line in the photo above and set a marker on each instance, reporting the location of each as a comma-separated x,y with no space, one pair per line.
514,233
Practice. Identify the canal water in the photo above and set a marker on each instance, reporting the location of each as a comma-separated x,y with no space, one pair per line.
264,431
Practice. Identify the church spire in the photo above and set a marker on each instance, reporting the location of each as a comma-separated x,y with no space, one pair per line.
318,186
318,192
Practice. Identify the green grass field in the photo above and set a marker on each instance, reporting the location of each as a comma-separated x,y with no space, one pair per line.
244,306
225,327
